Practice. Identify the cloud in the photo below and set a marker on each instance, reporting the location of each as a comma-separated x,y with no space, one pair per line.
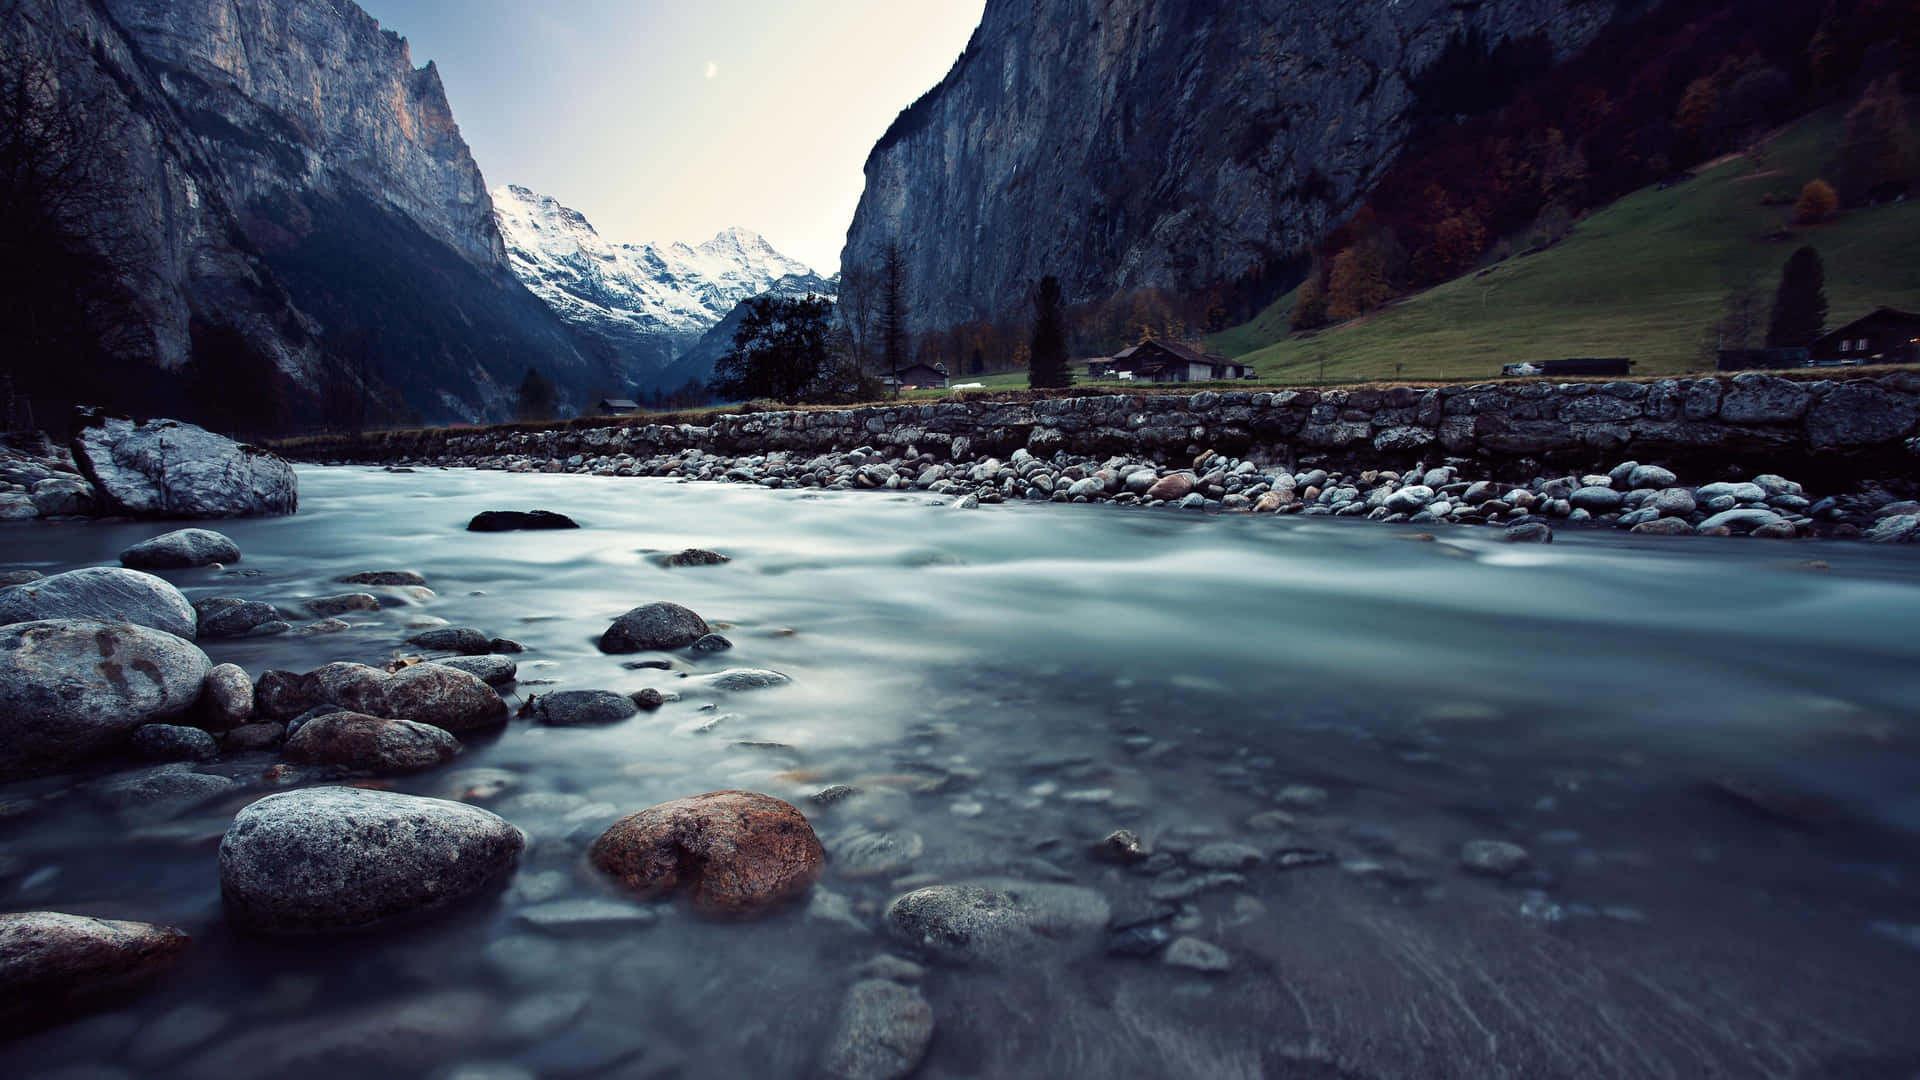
713,70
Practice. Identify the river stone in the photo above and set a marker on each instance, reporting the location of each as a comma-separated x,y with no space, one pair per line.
54,965
1739,520
181,549
1597,500
384,577
1739,493
994,922
492,670
1650,476
1495,858
1409,500
739,853
64,495
108,593
230,616
1666,526
445,697
1528,532
464,640
735,680
516,520
335,858
580,708
72,689
164,468
659,625
1172,487
695,557
227,697
711,643
173,742
343,603
262,736
1897,529
20,577
371,744
882,1033
1672,502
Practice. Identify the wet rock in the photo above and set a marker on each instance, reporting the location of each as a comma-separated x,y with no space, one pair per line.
581,708
20,577
506,645
261,736
648,699
1739,520
1495,858
464,640
712,643
425,693
659,625
1597,500
230,616
1172,887
881,1033
695,557
736,680
517,520
1668,526
1528,532
737,853
995,922
74,689
64,495
164,468
832,795
492,670
1121,846
384,577
860,852
1673,502
371,744
1650,476
1172,487
1197,955
406,1037
343,604
181,549
332,858
108,593
54,965
162,792
173,742
1302,797
1897,529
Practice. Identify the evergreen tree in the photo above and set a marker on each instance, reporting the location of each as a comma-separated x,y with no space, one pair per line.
538,400
894,351
1800,305
1048,368
781,350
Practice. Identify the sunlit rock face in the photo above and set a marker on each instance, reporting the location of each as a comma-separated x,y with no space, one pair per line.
1120,144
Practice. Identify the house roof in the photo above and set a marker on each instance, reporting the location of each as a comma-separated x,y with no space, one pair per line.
1878,312
618,403
1178,352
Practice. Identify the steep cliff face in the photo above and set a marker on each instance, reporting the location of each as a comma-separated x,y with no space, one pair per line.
1120,144
292,175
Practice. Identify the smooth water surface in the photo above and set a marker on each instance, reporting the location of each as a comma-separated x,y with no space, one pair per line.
1709,747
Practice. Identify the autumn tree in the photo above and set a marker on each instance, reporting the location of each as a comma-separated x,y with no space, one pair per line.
1359,281
1799,313
1310,301
1878,147
1048,368
1817,203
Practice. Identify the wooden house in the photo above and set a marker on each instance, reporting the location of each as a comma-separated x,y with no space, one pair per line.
1165,361
1884,336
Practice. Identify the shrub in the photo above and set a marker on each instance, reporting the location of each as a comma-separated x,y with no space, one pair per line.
1817,203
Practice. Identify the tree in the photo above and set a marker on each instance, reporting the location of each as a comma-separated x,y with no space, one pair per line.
1817,203
538,401
1358,283
1310,302
1878,146
1800,304
782,350
1048,369
895,351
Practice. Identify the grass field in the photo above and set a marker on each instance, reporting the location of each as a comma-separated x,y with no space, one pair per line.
1642,278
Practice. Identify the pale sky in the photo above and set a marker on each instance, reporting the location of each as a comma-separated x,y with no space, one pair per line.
665,120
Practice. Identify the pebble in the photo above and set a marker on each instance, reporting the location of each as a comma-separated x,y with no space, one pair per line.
1196,955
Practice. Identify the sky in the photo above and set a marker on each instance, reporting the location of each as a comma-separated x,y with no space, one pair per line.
664,120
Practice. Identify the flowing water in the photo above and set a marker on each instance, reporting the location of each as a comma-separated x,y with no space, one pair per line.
1709,748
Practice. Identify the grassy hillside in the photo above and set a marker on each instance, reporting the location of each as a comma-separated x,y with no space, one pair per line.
1641,278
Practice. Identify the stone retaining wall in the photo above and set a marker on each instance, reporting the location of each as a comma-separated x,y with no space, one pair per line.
1837,433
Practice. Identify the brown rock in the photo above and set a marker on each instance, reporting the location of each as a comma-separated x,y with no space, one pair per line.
53,964
424,693
262,736
371,743
1174,486
738,852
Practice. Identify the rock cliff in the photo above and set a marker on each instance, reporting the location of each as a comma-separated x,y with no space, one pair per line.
1120,144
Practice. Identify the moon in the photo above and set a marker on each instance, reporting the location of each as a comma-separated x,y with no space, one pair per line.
713,70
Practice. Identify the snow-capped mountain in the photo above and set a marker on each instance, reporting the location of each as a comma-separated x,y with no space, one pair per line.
640,305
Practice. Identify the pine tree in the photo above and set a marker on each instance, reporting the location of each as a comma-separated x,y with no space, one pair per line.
894,350
1048,368
1800,305
538,401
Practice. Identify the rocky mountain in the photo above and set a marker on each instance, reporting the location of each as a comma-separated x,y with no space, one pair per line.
696,363
293,177
1121,144
636,305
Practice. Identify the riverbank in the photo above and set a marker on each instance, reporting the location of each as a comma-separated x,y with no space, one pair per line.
1751,455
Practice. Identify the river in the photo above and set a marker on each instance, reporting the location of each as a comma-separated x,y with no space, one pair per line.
1708,747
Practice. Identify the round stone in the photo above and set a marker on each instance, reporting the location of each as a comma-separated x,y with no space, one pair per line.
107,593
181,549
372,744
659,625
582,708
738,853
53,965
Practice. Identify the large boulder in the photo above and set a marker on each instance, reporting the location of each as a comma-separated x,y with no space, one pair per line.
73,689
335,858
445,697
659,625
739,853
106,593
582,708
995,922
180,549
54,965
164,468
58,495
371,744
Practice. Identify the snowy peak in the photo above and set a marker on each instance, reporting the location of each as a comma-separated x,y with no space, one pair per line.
614,291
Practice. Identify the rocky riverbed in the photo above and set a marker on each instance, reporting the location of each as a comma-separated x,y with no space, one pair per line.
1011,791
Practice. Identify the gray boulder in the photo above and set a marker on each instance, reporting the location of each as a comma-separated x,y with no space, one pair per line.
15,506
164,468
492,670
995,922
230,616
72,689
1597,500
332,859
1738,492
434,694
180,549
372,744
227,698
735,680
57,495
580,708
173,742
1741,520
882,1033
464,640
1896,529
1528,532
1650,476
54,966
659,625
106,593
1672,502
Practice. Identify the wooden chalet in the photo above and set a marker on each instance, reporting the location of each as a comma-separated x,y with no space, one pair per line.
919,377
617,406
1163,362
1884,336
